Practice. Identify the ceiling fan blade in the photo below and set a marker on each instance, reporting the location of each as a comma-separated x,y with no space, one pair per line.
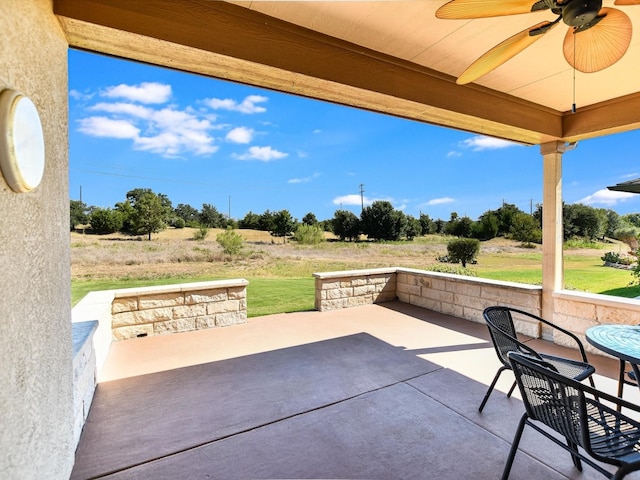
459,9
627,2
502,52
600,46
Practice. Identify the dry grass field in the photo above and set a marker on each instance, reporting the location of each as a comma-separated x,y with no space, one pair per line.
173,252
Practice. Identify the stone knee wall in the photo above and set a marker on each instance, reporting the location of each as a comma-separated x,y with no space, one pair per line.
467,297
178,308
336,290
578,311
84,374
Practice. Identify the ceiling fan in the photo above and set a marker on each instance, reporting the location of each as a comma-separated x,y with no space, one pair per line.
597,38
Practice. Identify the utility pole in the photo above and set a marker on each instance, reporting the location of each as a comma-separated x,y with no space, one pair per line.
361,197
229,216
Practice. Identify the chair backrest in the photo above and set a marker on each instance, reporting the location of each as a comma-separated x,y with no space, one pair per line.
503,333
557,401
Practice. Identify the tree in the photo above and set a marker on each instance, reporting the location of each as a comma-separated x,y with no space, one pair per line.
78,214
427,225
211,217
345,225
283,225
524,228
460,226
149,212
506,214
187,213
414,228
309,219
581,221
612,221
463,250
126,211
486,227
250,221
380,221
105,220
266,221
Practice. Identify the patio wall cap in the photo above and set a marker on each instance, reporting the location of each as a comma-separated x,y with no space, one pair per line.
353,273
181,287
598,298
81,332
93,306
465,278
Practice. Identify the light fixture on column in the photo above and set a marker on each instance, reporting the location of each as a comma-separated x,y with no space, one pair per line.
22,155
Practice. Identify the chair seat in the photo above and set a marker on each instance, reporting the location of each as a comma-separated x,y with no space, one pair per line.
613,436
569,368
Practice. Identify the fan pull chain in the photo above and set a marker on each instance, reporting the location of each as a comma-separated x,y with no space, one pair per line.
573,107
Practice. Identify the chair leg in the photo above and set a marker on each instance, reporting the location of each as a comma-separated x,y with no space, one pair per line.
513,387
493,384
576,459
514,447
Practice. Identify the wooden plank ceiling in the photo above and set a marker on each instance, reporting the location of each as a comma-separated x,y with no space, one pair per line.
393,57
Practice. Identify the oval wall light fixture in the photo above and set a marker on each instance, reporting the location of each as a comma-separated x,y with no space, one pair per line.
22,156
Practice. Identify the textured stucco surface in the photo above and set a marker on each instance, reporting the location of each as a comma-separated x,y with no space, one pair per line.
36,403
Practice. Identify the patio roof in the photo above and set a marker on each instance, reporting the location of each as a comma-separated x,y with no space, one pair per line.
378,391
632,186
388,56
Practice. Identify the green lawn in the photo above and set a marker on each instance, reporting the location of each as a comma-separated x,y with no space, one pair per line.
265,296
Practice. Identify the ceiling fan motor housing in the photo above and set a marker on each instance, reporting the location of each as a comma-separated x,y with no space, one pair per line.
580,12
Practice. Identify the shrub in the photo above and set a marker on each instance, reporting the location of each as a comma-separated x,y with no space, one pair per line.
230,241
106,220
178,222
457,270
201,233
463,250
309,234
612,257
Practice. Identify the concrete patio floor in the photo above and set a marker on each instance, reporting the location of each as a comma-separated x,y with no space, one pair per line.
387,391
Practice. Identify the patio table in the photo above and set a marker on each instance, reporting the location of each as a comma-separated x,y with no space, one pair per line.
621,341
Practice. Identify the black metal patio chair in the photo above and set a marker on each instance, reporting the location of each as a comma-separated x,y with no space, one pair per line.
589,426
505,339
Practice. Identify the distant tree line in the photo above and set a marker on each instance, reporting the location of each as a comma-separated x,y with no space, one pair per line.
144,212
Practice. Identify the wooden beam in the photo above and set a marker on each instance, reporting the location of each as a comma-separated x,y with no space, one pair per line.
228,41
605,118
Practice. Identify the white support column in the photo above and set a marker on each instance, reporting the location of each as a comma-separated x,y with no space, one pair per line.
552,233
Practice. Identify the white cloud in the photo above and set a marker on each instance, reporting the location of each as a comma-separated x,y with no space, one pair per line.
631,175
146,92
304,179
107,127
440,201
353,199
79,95
167,131
248,105
453,154
240,135
606,197
480,142
130,109
263,154
317,131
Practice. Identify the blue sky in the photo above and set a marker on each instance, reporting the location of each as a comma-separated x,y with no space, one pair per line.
242,148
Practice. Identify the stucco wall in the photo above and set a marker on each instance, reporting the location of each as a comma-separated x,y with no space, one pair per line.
36,399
